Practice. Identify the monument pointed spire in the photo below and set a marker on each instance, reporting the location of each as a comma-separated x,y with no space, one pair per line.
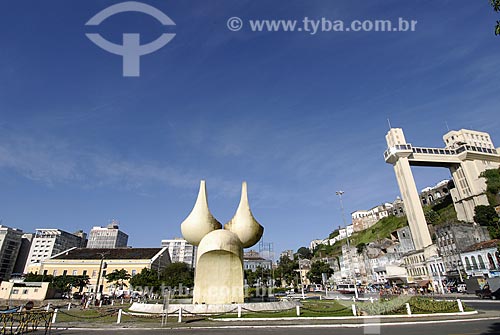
243,222
200,221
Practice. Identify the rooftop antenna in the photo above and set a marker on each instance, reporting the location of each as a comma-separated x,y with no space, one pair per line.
447,127
389,122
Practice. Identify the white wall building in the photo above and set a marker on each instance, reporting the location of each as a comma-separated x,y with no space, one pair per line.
482,259
181,251
347,231
252,260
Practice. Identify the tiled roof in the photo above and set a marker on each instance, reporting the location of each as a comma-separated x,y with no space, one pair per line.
119,253
483,245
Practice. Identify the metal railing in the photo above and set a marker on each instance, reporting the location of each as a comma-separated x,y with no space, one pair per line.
438,151
25,322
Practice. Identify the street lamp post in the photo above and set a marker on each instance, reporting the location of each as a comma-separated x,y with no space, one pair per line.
301,280
98,288
340,193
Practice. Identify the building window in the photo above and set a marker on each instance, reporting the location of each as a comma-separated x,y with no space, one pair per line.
75,272
94,273
134,272
481,262
54,273
467,263
490,260
25,291
474,263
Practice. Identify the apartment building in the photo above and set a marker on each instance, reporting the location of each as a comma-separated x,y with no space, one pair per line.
107,237
49,242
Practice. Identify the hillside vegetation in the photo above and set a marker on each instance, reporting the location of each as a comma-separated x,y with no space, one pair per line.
380,230
441,213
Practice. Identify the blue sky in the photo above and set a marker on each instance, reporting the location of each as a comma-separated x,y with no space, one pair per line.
297,116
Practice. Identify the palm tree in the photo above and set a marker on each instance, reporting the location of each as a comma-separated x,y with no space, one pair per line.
80,282
496,5
117,277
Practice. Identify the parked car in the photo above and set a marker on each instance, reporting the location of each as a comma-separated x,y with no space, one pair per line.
77,296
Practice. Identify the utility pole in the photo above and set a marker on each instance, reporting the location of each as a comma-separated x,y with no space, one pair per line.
159,263
98,288
340,193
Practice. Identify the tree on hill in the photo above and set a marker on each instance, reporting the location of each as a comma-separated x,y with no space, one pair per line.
304,252
334,234
360,247
430,215
317,269
492,177
488,217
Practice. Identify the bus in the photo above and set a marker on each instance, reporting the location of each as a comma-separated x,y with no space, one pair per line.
345,288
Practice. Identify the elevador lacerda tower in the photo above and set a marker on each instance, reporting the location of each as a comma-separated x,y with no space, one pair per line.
467,153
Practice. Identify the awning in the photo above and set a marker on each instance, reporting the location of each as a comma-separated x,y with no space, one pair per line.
423,283
398,280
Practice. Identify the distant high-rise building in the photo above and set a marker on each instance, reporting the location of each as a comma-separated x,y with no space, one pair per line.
10,242
107,237
288,254
181,251
49,242
24,251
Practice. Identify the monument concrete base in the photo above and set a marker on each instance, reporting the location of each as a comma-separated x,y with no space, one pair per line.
213,308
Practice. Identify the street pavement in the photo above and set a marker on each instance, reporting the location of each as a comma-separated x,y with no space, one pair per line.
476,327
486,322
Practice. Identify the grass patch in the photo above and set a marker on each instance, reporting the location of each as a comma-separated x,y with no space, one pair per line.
308,309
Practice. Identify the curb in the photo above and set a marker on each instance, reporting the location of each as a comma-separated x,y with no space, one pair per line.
347,317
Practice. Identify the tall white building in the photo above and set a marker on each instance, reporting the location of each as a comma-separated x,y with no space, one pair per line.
181,251
10,242
49,242
107,237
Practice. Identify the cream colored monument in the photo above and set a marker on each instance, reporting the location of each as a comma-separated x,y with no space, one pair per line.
219,270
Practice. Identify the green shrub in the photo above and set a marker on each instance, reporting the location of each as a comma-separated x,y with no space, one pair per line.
418,305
